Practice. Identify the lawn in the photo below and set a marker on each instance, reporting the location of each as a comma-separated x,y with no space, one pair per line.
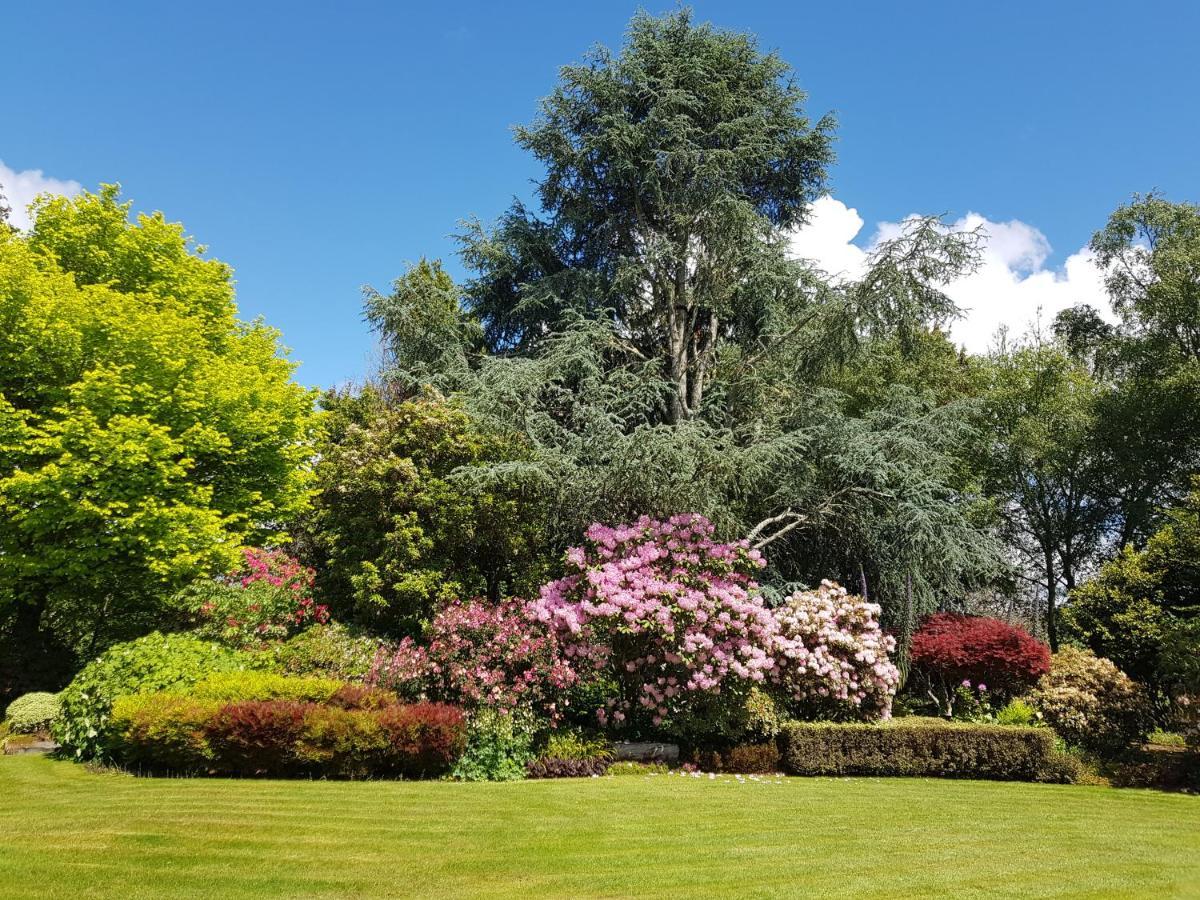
67,832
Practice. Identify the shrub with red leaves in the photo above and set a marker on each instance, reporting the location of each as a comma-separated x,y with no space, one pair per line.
950,649
360,734
423,740
257,737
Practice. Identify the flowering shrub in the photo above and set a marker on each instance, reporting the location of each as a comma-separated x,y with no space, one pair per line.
677,620
831,655
267,598
1091,703
672,614
950,651
483,654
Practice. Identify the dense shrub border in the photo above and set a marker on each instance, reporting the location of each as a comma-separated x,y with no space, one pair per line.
175,733
925,748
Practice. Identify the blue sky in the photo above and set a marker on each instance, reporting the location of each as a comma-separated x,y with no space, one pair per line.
319,147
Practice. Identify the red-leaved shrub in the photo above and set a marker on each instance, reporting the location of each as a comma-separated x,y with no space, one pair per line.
422,740
361,736
950,649
257,737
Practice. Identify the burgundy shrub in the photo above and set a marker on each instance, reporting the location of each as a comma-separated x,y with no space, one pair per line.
950,649
257,737
422,740
555,767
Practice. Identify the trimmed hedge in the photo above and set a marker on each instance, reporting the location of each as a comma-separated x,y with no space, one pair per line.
361,738
925,748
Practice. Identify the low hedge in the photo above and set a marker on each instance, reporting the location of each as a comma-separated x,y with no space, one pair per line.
924,748
557,767
168,732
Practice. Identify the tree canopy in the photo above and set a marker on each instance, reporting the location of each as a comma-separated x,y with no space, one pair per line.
145,432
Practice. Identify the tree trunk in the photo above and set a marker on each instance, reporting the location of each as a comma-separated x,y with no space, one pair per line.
1051,597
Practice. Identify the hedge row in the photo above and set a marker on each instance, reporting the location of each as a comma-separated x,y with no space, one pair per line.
927,749
185,734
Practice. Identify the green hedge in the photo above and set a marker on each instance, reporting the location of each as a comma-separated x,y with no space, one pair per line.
924,748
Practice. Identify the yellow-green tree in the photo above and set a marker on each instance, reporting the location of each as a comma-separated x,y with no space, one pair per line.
145,431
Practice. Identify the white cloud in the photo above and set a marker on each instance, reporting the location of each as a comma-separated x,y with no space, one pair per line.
21,187
1012,287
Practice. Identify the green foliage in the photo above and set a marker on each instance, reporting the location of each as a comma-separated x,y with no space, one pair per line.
144,431
627,767
575,746
1140,608
32,712
395,531
914,747
652,348
748,759
229,687
499,747
422,323
329,651
1043,469
1017,712
1090,703
162,731
155,662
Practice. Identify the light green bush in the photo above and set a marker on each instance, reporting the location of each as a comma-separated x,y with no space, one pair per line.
32,712
230,687
156,662
1090,703
573,745
1018,712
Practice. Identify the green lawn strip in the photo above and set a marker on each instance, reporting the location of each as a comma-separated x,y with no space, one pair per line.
69,832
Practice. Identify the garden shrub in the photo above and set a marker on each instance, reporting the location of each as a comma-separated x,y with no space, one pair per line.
832,657
163,732
258,737
483,654
1091,703
950,651
175,733
573,745
267,598
499,747
230,687
904,747
557,767
671,614
633,767
32,712
329,651
422,740
675,620
151,663
1018,712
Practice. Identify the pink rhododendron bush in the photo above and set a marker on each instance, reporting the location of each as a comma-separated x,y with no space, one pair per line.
676,619
480,654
